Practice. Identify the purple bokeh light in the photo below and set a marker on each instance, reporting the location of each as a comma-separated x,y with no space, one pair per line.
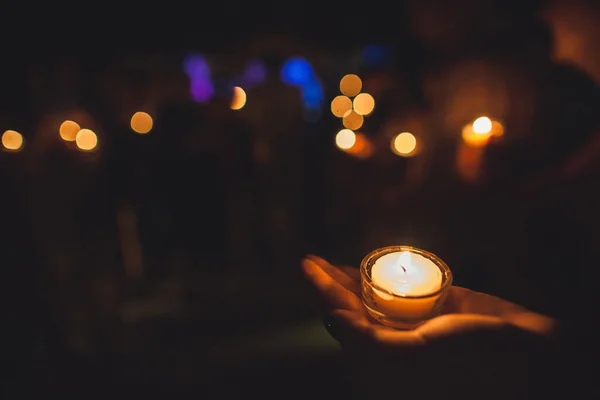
201,89
196,66
197,69
255,73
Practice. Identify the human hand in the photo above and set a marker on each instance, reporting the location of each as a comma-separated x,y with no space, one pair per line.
481,346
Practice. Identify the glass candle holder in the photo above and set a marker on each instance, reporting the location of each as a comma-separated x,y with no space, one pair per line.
403,286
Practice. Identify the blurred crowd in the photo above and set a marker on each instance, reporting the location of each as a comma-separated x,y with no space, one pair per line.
217,202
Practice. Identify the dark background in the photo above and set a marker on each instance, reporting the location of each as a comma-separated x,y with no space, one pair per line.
167,264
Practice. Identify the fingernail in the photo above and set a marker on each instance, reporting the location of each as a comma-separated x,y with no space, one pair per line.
332,327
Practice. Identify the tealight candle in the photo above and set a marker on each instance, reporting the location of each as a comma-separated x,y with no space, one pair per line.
403,286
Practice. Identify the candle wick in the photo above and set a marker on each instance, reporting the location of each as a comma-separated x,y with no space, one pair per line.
402,266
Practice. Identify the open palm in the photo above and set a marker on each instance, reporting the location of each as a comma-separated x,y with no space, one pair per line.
478,343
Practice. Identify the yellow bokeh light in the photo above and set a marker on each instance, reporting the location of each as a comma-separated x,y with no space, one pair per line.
12,140
404,144
350,85
68,130
238,101
353,120
340,105
469,162
474,139
345,139
363,147
141,122
497,129
86,140
482,125
363,104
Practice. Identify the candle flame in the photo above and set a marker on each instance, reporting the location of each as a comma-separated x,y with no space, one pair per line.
403,260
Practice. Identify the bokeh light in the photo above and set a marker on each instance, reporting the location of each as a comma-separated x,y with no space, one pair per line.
474,139
375,55
198,70
86,140
141,122
482,125
255,73
12,140
469,161
238,100
404,144
313,95
353,120
68,130
297,71
345,139
201,89
363,104
497,129
363,147
479,133
350,85
196,66
340,106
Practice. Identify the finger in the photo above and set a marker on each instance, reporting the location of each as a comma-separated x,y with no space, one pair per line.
334,294
352,272
536,323
339,274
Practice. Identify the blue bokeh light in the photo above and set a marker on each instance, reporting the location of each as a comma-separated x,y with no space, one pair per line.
375,55
313,95
297,71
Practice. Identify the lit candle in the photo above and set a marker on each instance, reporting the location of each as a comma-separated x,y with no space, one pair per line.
404,286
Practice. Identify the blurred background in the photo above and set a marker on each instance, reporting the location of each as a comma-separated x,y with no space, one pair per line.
164,170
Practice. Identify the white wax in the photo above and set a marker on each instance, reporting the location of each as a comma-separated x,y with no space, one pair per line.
406,274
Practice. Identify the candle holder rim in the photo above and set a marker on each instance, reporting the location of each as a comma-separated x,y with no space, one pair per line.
397,248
